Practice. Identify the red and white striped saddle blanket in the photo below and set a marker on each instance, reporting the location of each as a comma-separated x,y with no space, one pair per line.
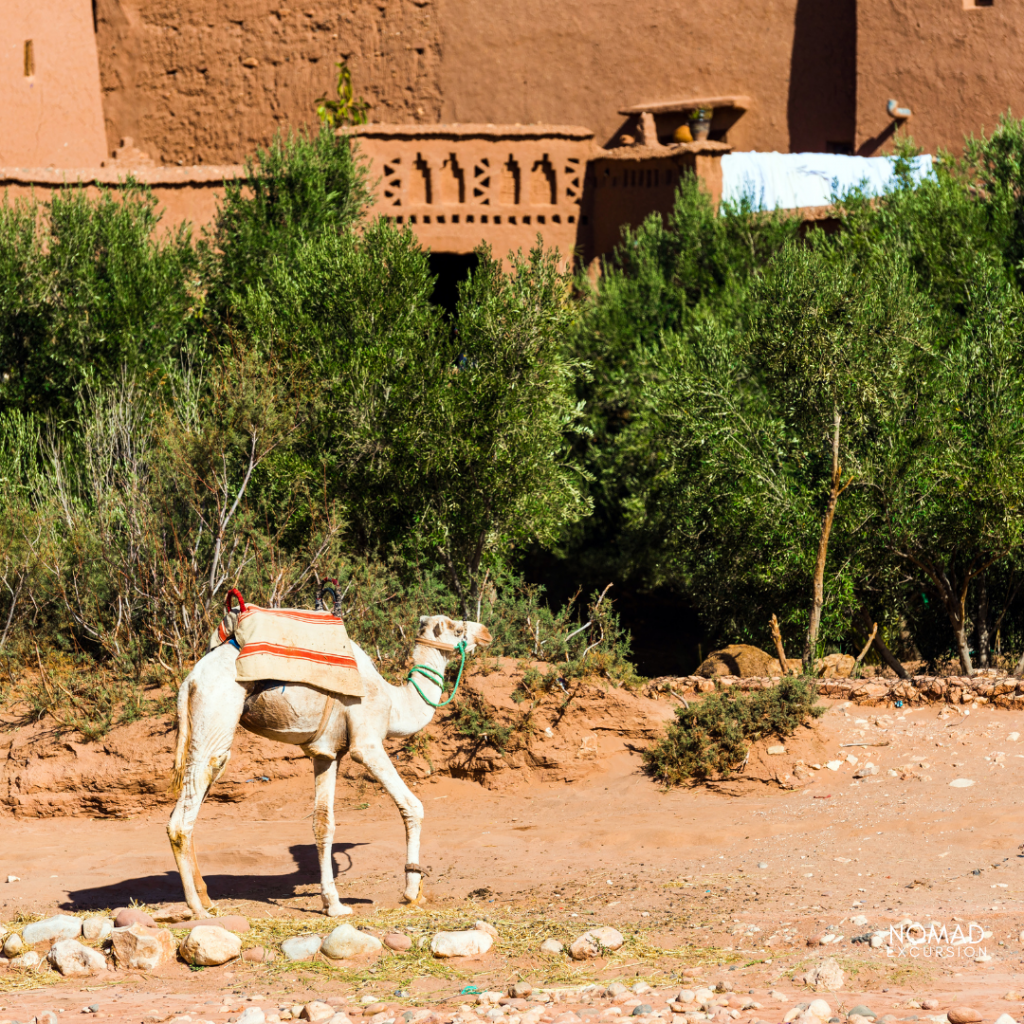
292,645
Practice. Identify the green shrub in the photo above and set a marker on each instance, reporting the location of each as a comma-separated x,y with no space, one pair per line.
711,737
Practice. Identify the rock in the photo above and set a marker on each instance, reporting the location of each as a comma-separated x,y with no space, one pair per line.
865,771
963,1015
140,948
820,1009
862,1011
13,945
1013,996
1005,1018
29,959
302,947
828,975
53,929
833,766
471,943
251,1015
97,929
12,878
127,916
398,942
551,946
741,660
520,990
210,947
642,1009
929,1004
255,955
230,923
489,929
835,666
317,1011
762,864
340,1018
685,996
172,915
962,783
595,943
74,960
47,1017
345,942
859,921
775,750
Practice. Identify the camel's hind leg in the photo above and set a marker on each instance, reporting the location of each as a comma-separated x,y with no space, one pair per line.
325,774
209,709
371,754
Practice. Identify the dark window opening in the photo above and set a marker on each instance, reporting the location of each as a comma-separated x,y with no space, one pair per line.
450,269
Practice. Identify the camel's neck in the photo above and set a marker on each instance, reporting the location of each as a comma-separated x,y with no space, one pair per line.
416,713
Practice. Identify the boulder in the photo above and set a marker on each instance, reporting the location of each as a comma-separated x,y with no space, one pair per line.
551,946
74,960
471,943
97,929
302,947
596,942
127,916
827,976
741,660
345,942
140,948
484,926
835,666
210,946
53,929
963,1015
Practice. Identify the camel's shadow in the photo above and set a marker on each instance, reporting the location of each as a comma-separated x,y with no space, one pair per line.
166,887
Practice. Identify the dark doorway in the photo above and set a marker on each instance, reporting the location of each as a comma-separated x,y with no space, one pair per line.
822,109
450,269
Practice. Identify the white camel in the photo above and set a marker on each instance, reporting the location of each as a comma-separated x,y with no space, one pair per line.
211,705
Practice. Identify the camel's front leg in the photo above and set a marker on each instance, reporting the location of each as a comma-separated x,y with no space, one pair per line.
325,772
373,756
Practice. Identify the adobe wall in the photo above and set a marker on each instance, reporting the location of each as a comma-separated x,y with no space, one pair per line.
51,113
207,80
958,68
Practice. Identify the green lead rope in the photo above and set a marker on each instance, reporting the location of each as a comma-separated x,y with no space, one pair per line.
437,678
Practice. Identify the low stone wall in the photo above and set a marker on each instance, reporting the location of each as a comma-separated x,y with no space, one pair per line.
1000,691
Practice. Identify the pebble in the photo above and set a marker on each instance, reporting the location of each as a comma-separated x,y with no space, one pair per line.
484,926
316,1011
962,783
141,948
210,947
963,1015
302,947
52,929
346,942
642,1009
762,864
251,1015
554,946
471,943
12,878
595,942
685,996
13,945
74,960
29,959
520,990
616,988
255,955
397,941
861,1010
97,929
929,1004
127,916
1005,1018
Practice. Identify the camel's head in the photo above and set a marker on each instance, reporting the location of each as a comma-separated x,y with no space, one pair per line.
443,633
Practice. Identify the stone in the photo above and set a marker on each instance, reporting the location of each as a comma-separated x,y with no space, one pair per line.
140,948
616,988
962,783
1013,996
963,1015
346,942
489,929
127,916
397,941
551,946
172,914
317,1011
929,1004
520,990
53,929
778,748
862,1011
12,878
47,1017
302,947
820,1009
29,959
833,766
254,955
231,923
74,960
97,929
13,945
210,947
685,996
762,864
251,1015
642,1009
865,771
471,943
1005,1018
595,943
828,975
340,1018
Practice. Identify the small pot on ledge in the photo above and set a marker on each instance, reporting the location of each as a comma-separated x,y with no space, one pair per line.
700,128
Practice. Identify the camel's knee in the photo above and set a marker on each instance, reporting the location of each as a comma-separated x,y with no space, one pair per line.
323,826
217,765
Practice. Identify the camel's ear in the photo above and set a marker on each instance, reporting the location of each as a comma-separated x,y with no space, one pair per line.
424,619
437,629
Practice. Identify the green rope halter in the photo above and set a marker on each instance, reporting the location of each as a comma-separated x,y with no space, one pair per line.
437,678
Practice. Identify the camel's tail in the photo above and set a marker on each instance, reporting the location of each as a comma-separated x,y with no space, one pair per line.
184,735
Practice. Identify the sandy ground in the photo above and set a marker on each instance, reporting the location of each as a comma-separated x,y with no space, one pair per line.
741,880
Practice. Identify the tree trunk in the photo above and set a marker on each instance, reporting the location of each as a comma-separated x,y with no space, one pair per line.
960,629
818,588
981,627
884,653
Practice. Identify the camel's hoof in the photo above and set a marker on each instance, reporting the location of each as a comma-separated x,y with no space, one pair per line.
339,911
